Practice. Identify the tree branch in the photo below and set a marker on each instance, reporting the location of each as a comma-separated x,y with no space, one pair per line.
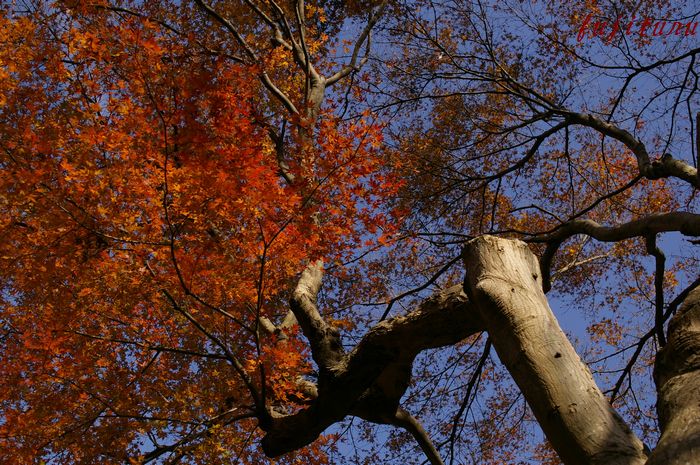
660,259
686,223
502,280
324,339
408,422
264,77
663,167
677,377
370,380
364,36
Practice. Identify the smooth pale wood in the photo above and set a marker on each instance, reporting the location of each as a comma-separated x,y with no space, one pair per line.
677,375
503,281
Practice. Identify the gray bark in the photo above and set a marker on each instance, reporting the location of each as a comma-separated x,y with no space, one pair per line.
368,381
503,282
505,298
677,376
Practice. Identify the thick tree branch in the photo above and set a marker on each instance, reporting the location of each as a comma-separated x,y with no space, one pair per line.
324,339
370,380
287,322
503,282
282,164
677,376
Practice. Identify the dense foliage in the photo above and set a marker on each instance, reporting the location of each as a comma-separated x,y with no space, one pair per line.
170,169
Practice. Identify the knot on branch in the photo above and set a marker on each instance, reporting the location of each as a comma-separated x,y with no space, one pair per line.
658,169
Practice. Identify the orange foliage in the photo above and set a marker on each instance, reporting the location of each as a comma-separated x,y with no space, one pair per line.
144,227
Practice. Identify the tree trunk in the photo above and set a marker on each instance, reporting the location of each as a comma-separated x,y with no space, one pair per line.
677,376
503,280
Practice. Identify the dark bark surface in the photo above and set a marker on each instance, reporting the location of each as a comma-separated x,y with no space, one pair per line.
677,376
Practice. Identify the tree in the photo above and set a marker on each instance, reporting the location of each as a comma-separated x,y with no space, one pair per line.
212,212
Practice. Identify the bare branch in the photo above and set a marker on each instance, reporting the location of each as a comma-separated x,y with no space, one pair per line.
408,422
469,395
425,285
686,223
670,310
364,36
653,249
663,167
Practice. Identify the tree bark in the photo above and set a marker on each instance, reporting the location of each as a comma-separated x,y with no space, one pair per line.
369,380
677,376
503,282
